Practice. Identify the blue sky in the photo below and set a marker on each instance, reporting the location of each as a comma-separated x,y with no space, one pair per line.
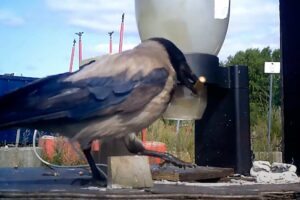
36,35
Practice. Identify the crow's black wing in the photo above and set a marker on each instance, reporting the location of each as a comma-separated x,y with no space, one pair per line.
54,98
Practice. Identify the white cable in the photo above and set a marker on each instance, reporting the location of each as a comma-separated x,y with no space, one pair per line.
62,166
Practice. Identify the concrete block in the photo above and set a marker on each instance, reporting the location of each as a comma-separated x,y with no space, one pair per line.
129,172
19,157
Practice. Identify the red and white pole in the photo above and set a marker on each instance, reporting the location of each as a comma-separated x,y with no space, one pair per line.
72,56
80,46
110,41
121,34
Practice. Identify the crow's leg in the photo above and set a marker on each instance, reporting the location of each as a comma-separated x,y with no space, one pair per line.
97,175
134,145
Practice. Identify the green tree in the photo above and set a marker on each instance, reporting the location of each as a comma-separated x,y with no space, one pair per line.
259,87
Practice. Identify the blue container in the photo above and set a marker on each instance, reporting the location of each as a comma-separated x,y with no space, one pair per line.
10,83
7,84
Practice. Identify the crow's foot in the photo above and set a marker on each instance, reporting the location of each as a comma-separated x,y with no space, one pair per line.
169,158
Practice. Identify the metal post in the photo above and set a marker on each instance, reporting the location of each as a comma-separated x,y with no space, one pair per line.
72,56
270,112
121,34
18,137
80,46
289,47
177,127
110,41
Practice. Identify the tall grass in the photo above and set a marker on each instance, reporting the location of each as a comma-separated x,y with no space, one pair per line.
64,153
180,144
259,132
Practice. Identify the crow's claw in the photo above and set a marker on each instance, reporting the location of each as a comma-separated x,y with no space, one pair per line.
169,158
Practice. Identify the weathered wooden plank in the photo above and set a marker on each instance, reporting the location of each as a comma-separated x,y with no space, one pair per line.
171,173
278,195
102,195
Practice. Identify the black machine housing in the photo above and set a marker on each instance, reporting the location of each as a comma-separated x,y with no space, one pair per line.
222,135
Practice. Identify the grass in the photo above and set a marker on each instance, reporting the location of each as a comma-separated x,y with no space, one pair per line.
180,144
64,153
259,133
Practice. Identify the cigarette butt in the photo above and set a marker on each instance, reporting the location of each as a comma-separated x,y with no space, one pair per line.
200,83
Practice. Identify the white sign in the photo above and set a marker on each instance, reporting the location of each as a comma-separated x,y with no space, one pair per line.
272,67
221,9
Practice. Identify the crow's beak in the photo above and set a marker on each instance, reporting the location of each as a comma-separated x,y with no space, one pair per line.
188,78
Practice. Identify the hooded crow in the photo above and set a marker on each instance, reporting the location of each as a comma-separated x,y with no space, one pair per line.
110,96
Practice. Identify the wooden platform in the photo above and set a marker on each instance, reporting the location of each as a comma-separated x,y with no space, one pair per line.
190,174
40,183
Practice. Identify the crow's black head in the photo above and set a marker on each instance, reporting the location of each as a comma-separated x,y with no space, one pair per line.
184,73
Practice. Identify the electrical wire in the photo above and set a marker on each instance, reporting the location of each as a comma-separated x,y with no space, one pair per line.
62,166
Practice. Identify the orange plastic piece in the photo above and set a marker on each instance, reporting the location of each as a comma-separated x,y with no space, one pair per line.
155,146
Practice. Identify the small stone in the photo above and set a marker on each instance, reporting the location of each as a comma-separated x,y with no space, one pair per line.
283,167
